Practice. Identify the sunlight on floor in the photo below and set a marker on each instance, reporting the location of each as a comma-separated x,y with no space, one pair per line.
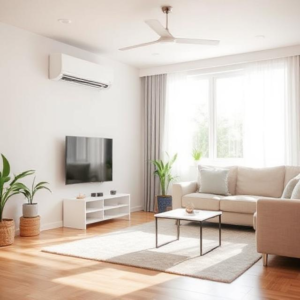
95,282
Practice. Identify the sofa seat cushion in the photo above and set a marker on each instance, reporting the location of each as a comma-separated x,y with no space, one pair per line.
267,182
203,201
244,204
240,204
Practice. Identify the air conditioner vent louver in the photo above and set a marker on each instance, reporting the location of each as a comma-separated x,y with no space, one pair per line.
85,82
75,70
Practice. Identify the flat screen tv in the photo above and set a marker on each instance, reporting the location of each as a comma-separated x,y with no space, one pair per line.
88,159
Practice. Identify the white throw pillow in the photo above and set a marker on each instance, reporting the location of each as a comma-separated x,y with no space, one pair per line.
232,176
289,188
214,181
296,191
200,168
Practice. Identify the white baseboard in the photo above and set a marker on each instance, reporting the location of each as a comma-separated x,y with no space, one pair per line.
136,208
52,225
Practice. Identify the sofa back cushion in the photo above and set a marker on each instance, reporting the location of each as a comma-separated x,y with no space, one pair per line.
267,182
231,176
290,172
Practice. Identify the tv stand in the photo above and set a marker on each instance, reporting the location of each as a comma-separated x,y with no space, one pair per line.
78,213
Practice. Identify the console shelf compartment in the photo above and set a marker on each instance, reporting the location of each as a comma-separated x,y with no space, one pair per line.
78,213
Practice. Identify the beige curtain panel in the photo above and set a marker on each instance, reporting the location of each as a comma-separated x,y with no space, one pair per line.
154,96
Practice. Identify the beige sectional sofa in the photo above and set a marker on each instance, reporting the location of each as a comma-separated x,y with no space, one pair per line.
246,186
278,228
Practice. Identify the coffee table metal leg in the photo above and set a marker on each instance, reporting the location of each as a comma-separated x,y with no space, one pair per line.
156,234
220,230
156,239
200,238
178,235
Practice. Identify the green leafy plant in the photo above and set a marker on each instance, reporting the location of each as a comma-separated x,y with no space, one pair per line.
7,190
196,154
29,193
163,171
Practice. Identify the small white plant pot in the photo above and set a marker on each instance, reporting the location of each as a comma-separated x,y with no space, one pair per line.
30,210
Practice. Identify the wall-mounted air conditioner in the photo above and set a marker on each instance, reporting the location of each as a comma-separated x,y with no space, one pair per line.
75,70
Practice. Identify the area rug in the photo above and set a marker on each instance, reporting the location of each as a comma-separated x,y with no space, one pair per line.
135,246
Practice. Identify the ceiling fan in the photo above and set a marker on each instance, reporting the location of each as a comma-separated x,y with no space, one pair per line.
166,36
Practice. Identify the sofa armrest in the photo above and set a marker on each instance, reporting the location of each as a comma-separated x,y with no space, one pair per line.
278,227
179,190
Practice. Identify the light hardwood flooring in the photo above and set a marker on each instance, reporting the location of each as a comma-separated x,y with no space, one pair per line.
27,273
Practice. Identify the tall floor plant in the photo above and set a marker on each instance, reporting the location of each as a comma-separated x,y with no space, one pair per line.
13,188
163,171
8,188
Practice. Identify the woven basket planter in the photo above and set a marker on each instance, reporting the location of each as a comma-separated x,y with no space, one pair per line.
30,226
7,232
164,203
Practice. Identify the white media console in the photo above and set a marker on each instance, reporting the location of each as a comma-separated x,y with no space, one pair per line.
78,213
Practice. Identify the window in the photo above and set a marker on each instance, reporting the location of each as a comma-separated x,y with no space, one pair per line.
229,111
218,102
244,114
200,94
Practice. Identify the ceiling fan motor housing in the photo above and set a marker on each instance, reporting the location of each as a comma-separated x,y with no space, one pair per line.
166,9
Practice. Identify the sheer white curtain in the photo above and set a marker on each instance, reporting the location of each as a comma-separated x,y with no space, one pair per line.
292,111
271,122
271,125
178,124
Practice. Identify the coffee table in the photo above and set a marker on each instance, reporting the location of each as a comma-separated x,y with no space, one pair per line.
180,214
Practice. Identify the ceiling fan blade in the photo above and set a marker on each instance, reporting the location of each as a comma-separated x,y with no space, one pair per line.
139,45
158,28
197,41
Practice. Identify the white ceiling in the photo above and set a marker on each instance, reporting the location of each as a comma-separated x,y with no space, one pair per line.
104,26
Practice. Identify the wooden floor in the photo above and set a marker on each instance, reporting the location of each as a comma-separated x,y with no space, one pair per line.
28,273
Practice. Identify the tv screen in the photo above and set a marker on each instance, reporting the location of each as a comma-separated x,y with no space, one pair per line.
88,159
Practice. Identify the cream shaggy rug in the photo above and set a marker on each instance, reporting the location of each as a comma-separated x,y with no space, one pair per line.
135,246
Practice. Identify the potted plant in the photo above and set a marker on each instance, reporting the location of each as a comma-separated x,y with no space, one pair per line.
7,190
197,154
163,171
30,209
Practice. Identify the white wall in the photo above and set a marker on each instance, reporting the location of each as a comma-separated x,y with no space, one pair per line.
36,114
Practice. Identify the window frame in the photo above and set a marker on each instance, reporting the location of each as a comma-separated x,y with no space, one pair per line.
212,78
